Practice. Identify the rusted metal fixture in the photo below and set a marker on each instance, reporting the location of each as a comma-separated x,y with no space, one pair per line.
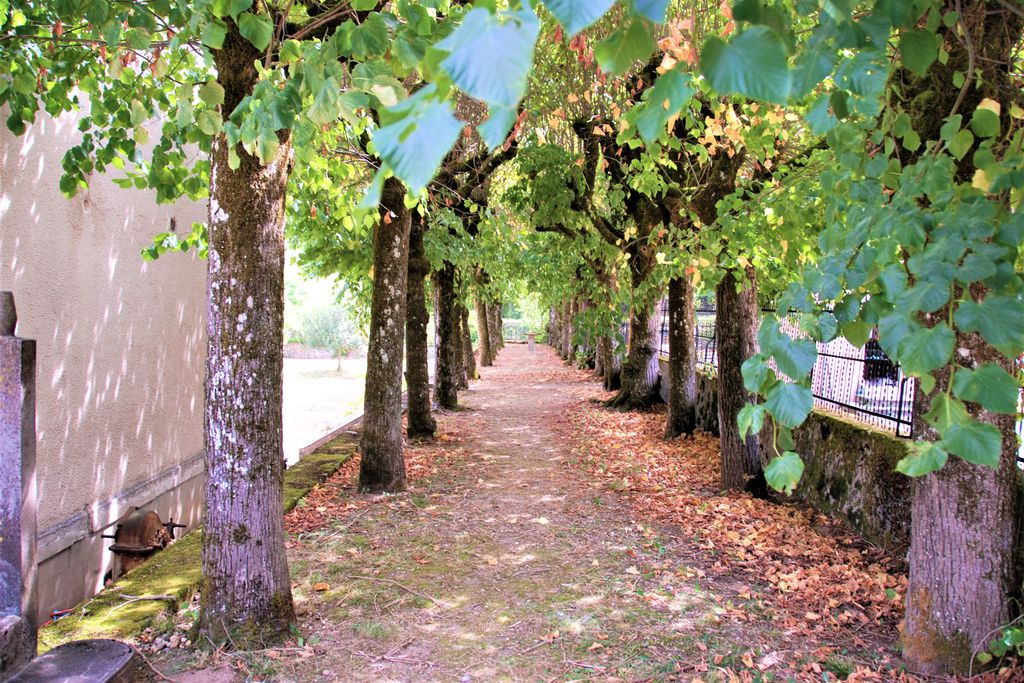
139,536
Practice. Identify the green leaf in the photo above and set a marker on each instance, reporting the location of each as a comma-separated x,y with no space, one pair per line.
652,9
975,442
999,319
491,54
784,471
212,93
214,34
753,63
961,143
750,419
794,357
257,29
415,144
620,50
576,15
926,349
985,123
326,105
924,458
499,122
755,372
990,386
660,103
919,49
209,122
789,404
236,7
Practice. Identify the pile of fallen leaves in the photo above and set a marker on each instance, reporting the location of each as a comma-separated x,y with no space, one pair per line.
817,577
335,498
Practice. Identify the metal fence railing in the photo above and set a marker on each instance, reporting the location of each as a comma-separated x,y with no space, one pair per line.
859,383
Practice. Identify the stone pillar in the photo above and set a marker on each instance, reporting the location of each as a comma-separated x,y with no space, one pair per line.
17,493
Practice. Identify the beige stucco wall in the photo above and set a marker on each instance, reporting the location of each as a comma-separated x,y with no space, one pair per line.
121,342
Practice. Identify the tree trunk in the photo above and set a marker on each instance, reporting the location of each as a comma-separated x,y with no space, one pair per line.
640,372
382,462
246,593
494,328
498,334
599,355
469,361
566,349
483,333
682,359
964,531
421,423
736,323
448,344
964,577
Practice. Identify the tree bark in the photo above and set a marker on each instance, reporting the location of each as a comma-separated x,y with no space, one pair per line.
246,593
964,578
448,344
640,372
736,323
483,333
382,462
682,359
469,362
567,318
497,338
421,423
964,529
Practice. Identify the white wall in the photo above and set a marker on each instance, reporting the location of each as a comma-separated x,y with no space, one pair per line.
121,342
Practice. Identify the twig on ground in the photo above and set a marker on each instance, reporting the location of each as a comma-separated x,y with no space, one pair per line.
442,603
129,599
150,665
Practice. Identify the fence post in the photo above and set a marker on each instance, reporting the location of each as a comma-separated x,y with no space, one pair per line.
17,493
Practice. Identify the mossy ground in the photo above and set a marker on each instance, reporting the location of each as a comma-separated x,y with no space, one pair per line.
174,571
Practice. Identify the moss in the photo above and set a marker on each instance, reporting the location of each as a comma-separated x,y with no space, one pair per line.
316,467
177,570
174,571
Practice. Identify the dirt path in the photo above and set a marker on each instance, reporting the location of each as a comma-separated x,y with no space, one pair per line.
517,555
512,565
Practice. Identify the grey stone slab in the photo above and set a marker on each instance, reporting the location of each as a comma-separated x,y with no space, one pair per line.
83,661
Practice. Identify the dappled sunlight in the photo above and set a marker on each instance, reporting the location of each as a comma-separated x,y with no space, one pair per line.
120,345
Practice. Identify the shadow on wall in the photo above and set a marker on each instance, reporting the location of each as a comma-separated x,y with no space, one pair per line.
121,342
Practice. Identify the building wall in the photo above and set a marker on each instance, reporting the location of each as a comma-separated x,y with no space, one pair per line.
121,349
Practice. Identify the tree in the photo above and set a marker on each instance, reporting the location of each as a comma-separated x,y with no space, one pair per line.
382,461
421,423
332,329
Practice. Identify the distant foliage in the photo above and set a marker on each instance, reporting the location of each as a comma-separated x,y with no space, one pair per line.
331,328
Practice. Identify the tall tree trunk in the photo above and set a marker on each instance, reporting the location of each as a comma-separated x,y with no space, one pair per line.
499,332
599,355
382,462
469,362
421,423
964,580
736,323
448,344
640,371
682,359
246,594
482,332
567,319
494,328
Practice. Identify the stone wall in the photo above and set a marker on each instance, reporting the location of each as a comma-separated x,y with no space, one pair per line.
849,469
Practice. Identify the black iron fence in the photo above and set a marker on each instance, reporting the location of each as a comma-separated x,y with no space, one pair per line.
859,383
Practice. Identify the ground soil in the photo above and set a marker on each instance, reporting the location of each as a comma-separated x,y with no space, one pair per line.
546,538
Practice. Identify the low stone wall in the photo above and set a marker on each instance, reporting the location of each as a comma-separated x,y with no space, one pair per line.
849,468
